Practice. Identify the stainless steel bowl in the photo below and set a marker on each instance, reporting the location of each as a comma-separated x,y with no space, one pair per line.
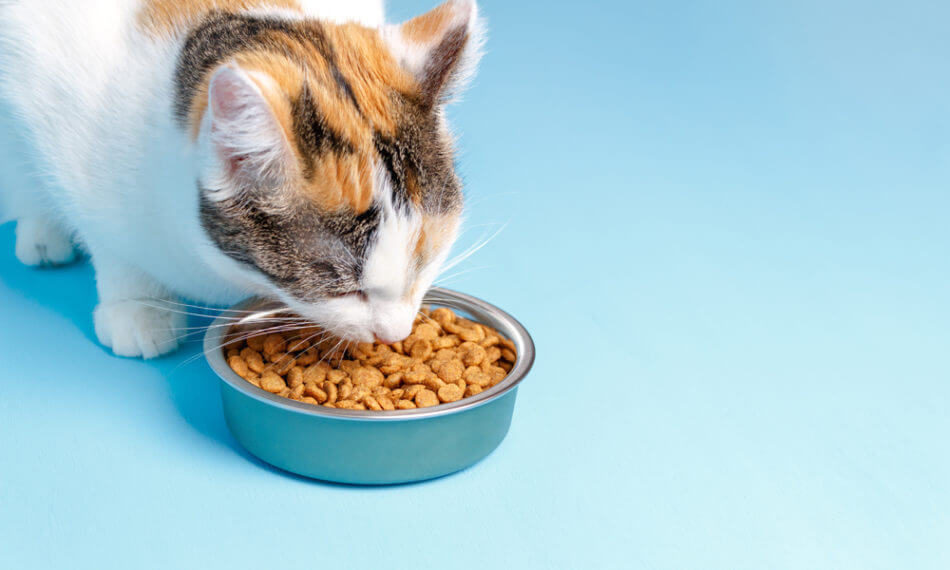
368,447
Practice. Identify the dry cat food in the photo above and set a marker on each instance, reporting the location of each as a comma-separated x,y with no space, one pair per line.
445,359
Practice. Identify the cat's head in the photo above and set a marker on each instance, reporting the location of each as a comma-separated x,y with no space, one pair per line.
329,174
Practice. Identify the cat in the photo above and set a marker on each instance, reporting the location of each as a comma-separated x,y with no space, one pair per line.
209,150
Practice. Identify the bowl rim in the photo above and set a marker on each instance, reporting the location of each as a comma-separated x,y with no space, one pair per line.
481,311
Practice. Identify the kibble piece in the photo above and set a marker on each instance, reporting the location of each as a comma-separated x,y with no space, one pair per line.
405,405
412,390
443,316
331,390
283,364
295,377
238,365
368,376
307,357
393,380
450,393
274,343
471,353
372,403
426,331
425,398
345,403
472,390
472,334
298,391
386,403
508,354
421,349
314,392
336,376
256,343
272,382
314,373
450,371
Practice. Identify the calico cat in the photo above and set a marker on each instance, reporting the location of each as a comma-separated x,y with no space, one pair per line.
213,149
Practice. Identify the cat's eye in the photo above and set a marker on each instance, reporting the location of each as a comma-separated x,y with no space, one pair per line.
357,293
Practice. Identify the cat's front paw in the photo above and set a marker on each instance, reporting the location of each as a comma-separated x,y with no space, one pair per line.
134,328
41,242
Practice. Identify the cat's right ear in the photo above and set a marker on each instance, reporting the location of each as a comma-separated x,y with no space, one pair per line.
245,134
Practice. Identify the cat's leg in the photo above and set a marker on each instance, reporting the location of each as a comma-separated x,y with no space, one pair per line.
42,241
130,318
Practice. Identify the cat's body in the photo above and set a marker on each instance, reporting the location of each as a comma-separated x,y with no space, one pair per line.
159,157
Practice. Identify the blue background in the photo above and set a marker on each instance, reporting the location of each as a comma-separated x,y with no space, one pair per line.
727,231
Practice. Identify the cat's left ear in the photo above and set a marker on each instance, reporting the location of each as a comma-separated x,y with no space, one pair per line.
244,130
441,48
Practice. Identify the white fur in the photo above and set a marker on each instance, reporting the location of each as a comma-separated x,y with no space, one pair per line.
96,96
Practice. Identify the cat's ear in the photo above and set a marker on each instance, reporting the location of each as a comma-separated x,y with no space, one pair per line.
244,131
441,48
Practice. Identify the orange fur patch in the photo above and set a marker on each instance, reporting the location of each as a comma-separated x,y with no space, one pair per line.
161,17
430,26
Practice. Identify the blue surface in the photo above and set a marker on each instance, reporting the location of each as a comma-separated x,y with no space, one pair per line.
728,235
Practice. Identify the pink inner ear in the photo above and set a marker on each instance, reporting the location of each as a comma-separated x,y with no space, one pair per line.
243,129
229,94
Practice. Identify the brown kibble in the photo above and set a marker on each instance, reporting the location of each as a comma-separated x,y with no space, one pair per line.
412,390
421,349
336,376
274,343
472,334
450,393
451,371
372,403
471,353
393,380
443,316
256,343
314,392
331,389
426,331
489,341
238,365
295,377
314,373
272,382
444,359
425,398
307,357
284,363
368,376
433,383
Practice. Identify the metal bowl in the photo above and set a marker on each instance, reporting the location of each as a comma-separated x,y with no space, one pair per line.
370,447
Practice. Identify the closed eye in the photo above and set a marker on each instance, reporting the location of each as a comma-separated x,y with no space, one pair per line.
357,294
